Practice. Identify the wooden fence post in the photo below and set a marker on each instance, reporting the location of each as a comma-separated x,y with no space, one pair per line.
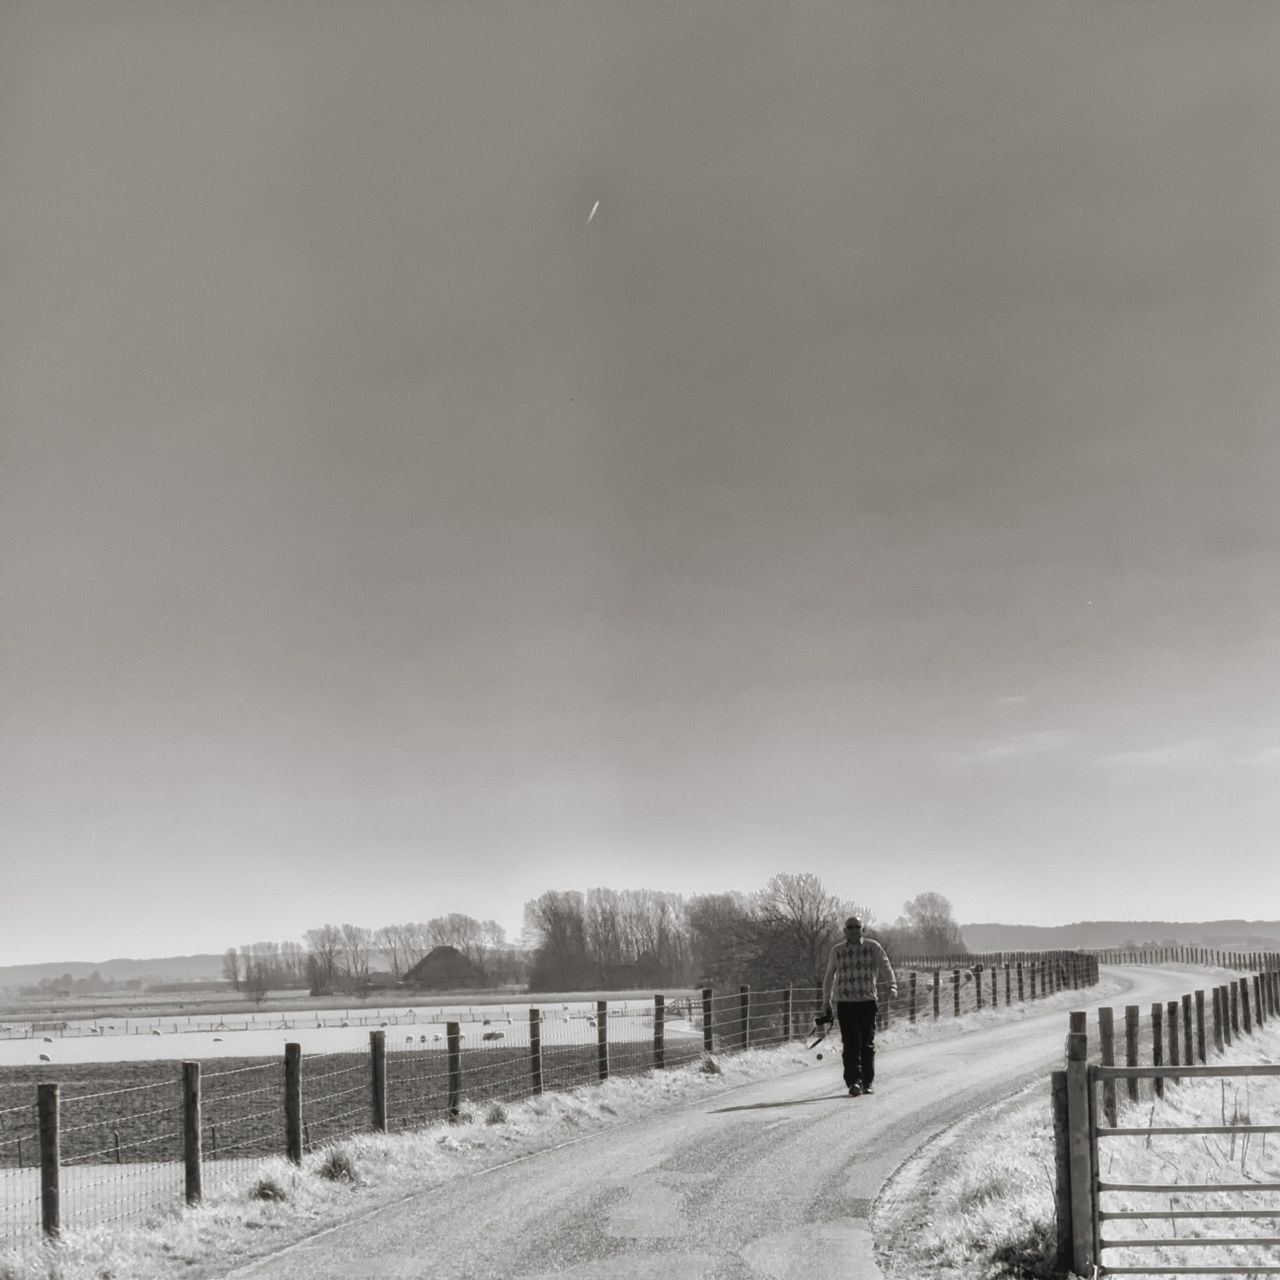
1233,999
744,1005
1171,1030
1246,1022
1157,1046
1188,1030
453,1042
1062,1163
1032,975
1107,1041
50,1159
378,1079
191,1131
1230,1014
1132,1019
1008,986
786,1013
912,1015
955,991
659,1031
708,1028
1020,996
995,993
1217,1019
535,1052
1259,1007
937,988
293,1103
1201,1055
602,1039
977,990
1080,1142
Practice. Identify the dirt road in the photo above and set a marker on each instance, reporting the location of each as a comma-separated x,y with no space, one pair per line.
770,1181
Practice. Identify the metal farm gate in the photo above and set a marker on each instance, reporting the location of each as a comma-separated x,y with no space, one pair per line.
1103,1218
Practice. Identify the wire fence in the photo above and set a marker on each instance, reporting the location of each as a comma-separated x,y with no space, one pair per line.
124,1134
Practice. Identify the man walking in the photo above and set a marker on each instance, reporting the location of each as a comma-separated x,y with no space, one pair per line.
853,969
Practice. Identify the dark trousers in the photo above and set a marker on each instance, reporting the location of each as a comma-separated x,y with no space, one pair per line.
857,1020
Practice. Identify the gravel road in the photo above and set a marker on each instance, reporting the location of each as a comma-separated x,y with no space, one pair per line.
770,1180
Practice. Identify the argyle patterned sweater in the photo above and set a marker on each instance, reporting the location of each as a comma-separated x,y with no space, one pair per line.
856,968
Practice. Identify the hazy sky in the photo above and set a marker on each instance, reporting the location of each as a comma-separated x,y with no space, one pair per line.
883,483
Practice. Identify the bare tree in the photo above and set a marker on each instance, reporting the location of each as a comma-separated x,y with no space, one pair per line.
256,984
293,962
604,936
800,922
557,920
928,917
392,941
722,937
460,931
324,959
231,967
417,942
357,946
260,963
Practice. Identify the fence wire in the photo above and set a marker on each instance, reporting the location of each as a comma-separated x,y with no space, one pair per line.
242,1114
121,1153
19,1173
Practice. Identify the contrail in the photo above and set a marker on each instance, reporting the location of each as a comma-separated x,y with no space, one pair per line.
594,207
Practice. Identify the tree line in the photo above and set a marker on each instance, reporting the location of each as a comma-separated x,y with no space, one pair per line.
607,939
782,933
349,958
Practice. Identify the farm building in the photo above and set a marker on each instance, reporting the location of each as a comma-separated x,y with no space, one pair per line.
445,968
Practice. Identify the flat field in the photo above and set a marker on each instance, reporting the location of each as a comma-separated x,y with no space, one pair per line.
132,1110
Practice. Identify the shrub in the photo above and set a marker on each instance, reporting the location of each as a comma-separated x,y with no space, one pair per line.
339,1167
495,1114
268,1189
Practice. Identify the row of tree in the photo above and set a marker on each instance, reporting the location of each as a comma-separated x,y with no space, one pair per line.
351,958
606,939
782,933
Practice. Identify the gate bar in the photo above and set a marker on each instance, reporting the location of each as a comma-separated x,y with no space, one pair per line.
1147,1073
1189,1186
1187,1128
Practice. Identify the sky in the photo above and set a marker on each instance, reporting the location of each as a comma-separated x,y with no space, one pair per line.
880,483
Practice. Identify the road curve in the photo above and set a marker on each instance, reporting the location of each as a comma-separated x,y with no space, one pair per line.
768,1181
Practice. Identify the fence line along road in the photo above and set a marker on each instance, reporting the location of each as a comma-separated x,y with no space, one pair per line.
87,1155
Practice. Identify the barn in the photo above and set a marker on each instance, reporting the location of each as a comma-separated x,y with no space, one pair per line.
445,969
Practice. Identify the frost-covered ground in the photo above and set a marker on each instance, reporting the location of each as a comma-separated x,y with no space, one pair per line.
325,1031
233,1222
978,1203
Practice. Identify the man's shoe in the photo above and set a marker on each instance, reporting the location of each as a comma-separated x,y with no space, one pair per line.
854,1090
866,1088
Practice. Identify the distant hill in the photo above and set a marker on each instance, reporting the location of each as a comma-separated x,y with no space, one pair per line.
1227,935
162,969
